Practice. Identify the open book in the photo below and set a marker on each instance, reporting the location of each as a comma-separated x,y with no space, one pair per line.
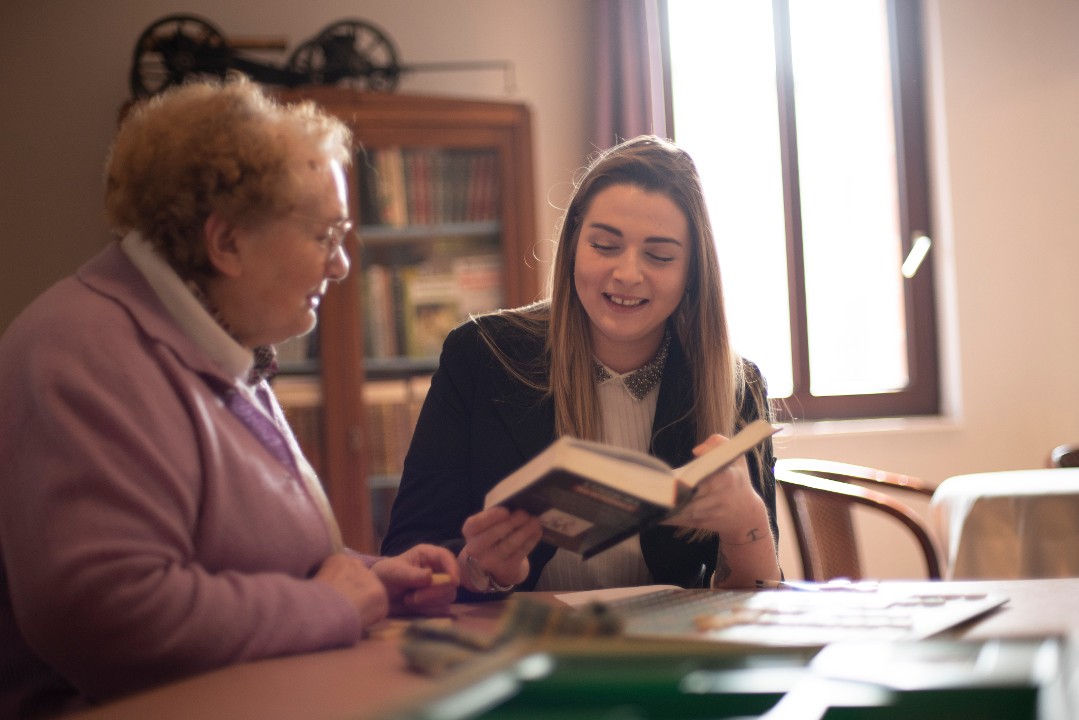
590,496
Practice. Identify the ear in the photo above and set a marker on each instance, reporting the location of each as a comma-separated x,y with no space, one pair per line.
222,248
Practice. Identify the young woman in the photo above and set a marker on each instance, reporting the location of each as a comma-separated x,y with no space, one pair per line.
631,349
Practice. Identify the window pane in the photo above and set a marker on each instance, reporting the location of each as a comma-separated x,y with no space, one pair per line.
849,196
723,82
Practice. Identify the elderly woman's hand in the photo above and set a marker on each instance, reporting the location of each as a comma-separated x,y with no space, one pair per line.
348,574
412,583
497,543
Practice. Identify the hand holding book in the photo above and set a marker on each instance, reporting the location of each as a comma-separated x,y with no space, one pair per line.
724,502
497,544
590,496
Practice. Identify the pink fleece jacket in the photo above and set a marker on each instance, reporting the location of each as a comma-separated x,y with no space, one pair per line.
146,534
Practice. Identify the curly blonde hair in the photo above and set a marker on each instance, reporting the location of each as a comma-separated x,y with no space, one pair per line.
209,146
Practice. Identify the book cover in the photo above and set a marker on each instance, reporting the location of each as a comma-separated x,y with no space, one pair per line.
590,496
431,309
479,283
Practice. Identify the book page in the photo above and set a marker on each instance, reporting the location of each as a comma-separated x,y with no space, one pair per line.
585,468
719,457
623,454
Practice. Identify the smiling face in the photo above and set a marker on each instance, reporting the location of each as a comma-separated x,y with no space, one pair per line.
283,266
631,266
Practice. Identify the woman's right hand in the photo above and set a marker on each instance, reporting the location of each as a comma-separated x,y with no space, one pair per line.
499,542
349,575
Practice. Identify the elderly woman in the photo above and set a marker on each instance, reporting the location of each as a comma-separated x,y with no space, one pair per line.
157,518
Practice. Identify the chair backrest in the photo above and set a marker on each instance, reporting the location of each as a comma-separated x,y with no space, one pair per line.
822,515
1065,456
858,474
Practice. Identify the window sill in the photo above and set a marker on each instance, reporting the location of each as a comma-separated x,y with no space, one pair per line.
871,426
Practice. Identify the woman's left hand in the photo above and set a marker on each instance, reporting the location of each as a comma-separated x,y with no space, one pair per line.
725,502
412,584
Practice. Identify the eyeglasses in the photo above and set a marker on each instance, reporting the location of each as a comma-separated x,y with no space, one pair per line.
333,237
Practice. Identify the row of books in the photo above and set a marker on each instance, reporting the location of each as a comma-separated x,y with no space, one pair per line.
409,309
301,400
392,407
391,410
428,186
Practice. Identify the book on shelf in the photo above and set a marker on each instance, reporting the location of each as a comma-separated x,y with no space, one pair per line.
431,308
417,168
409,309
478,280
390,187
589,496
428,186
392,407
481,201
381,295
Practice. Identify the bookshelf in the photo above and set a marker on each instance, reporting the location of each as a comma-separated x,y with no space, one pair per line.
442,190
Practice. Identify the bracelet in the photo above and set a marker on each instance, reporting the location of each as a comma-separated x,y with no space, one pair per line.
482,579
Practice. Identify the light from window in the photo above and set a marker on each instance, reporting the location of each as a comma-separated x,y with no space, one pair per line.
723,70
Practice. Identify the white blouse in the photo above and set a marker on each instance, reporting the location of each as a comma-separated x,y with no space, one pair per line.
627,422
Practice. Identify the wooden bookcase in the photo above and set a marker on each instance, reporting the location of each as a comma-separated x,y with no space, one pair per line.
335,389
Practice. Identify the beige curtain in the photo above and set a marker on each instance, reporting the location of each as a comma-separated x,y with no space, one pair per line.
628,64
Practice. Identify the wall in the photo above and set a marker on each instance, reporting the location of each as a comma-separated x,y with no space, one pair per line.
1004,87
1004,90
65,73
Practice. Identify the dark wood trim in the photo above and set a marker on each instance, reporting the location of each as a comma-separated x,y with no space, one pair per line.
792,197
905,24
922,395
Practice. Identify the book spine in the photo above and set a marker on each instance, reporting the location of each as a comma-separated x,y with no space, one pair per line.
368,191
392,190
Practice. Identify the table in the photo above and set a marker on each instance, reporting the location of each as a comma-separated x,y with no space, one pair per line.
1013,524
370,679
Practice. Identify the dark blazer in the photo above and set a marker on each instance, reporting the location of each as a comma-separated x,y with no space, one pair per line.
479,423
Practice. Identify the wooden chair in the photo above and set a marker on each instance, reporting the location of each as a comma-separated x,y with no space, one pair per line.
822,515
1065,456
858,474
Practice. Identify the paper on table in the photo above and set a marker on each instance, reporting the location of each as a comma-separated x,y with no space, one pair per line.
576,599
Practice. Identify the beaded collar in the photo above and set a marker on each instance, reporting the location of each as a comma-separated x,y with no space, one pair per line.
639,382
264,364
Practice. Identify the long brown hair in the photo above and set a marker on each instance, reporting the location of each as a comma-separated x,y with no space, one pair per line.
699,323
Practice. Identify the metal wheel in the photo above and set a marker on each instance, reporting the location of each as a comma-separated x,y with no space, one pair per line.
353,50
173,48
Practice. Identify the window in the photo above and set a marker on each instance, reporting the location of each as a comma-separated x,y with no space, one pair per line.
805,120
